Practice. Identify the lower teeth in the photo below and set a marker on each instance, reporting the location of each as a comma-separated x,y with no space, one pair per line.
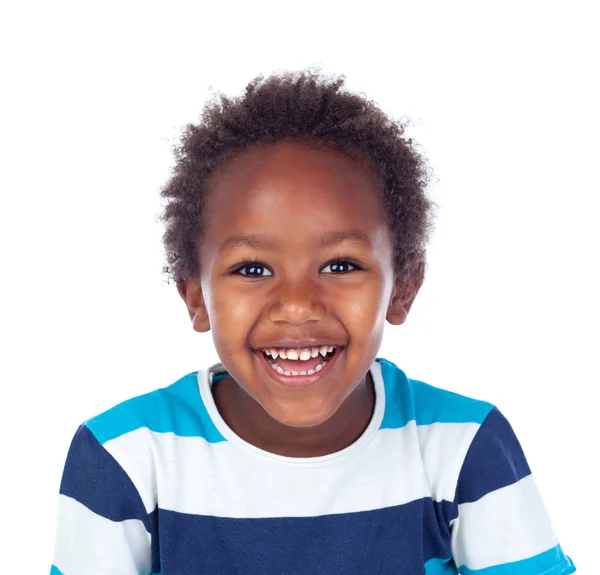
280,370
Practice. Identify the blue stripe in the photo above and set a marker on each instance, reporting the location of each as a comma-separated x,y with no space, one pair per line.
152,528
408,399
440,567
495,459
436,523
93,477
396,539
55,571
177,409
551,562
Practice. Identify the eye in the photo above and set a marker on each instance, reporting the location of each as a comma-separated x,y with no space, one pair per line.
340,267
253,270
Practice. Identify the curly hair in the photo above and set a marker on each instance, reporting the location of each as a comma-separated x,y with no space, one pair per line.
304,106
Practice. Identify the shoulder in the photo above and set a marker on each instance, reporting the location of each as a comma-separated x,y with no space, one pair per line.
468,448
413,400
177,408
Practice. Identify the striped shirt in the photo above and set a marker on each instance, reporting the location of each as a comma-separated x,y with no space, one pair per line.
437,485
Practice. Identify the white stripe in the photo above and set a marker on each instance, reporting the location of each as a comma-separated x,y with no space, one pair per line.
89,544
509,524
190,475
140,453
444,447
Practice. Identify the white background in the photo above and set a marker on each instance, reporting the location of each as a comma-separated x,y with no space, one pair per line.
504,99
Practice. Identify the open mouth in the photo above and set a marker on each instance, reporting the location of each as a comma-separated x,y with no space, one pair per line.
298,362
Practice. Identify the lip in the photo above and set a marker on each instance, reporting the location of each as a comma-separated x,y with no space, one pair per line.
299,381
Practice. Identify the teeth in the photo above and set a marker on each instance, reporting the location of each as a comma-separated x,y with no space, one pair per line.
292,373
298,354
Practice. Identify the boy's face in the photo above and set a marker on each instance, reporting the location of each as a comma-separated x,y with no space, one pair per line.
308,225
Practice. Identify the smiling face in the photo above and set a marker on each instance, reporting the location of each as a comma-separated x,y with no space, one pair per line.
296,252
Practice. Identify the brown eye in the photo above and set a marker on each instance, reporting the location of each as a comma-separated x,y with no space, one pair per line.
253,270
340,267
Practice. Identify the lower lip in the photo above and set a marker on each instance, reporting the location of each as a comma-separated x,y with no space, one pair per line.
299,381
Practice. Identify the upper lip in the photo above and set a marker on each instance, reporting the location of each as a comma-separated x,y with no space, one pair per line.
285,344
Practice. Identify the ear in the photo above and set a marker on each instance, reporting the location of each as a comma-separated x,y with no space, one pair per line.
403,295
191,293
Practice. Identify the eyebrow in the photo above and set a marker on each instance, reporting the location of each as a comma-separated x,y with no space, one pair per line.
255,241
264,242
332,238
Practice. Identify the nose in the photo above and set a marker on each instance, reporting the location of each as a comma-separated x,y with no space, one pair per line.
297,302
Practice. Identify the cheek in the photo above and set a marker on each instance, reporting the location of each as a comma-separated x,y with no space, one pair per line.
231,316
231,308
365,306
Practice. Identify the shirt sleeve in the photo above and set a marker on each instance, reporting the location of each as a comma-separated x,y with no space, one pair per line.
502,525
103,526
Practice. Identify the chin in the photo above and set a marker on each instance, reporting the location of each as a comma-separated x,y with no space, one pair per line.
302,419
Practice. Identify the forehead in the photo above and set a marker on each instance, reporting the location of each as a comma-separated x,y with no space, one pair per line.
293,192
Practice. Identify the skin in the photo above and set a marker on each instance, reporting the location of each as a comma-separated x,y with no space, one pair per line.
294,195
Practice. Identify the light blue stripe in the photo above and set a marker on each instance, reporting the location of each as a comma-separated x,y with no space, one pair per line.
55,570
440,406
441,567
177,409
408,399
551,562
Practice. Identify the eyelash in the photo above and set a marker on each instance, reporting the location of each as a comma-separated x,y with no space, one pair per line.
256,263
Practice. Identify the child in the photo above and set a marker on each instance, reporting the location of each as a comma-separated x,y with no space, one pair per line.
296,224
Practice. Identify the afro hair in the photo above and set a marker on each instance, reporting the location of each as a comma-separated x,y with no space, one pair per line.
304,106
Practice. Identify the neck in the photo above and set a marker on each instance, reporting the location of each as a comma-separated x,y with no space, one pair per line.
247,418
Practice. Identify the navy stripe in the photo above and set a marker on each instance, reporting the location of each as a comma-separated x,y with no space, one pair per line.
495,459
436,528
397,539
154,540
95,479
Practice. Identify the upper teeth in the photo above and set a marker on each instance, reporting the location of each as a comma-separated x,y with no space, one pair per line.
302,354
